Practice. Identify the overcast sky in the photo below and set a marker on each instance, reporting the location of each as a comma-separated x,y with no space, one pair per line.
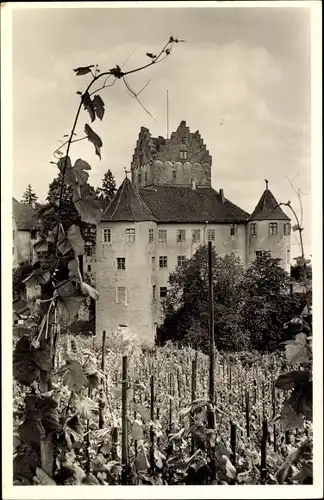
247,68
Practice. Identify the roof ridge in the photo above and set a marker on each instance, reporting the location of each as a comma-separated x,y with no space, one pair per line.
120,195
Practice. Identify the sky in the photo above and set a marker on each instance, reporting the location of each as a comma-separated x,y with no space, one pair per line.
242,78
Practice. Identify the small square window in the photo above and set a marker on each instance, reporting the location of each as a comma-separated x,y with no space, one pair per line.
121,263
211,234
89,268
174,174
154,292
233,229
273,228
106,235
130,234
181,235
259,253
163,261
151,235
163,292
162,235
287,229
181,260
153,262
33,234
183,155
121,295
88,250
196,235
253,229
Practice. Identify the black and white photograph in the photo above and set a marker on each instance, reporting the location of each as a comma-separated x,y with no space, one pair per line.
161,187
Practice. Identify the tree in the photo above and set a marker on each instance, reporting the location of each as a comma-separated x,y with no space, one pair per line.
108,189
268,303
29,197
186,305
297,270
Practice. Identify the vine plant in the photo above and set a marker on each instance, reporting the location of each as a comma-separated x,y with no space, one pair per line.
55,287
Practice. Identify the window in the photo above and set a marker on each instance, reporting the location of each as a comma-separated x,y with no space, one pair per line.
287,229
140,178
174,174
258,254
273,228
163,291
145,177
121,263
153,262
121,295
33,234
211,234
233,229
154,292
162,236
183,155
106,235
151,235
181,235
163,261
88,250
196,235
89,268
181,260
130,235
253,229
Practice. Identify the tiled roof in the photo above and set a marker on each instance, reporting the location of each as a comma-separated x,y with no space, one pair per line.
184,204
24,215
268,208
127,206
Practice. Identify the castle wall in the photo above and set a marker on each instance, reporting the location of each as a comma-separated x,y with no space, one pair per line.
278,245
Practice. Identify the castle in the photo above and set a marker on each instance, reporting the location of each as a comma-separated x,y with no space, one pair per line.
159,218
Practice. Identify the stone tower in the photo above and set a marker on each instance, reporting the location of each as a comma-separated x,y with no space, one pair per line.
124,262
182,160
269,229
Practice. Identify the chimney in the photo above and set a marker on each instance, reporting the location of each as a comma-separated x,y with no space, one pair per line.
221,195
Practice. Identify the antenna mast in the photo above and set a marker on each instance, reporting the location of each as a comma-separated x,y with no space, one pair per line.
167,114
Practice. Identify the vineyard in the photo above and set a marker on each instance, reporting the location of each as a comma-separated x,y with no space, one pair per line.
141,417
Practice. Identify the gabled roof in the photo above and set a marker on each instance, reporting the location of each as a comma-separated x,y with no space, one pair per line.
268,208
25,216
185,204
127,206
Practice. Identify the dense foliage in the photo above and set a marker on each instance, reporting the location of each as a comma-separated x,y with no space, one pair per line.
250,306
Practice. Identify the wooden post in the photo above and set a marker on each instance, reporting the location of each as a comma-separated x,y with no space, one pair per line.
233,443
264,451
170,446
152,460
114,439
193,392
102,392
124,413
211,325
247,413
274,428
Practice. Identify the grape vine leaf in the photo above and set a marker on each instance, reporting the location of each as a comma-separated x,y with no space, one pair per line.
75,239
94,138
288,381
88,290
86,205
31,430
137,431
141,461
37,277
284,470
229,467
76,174
89,106
289,418
298,350
44,478
72,375
68,301
79,169
83,70
85,407
159,457
58,235
99,106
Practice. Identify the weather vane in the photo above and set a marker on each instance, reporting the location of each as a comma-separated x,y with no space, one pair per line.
127,171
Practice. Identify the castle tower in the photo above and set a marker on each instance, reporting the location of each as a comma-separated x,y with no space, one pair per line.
181,160
124,267
269,229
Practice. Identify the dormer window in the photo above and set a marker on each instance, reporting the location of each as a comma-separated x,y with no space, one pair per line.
183,155
139,178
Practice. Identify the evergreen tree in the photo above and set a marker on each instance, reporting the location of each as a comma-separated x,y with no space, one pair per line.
108,189
29,197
